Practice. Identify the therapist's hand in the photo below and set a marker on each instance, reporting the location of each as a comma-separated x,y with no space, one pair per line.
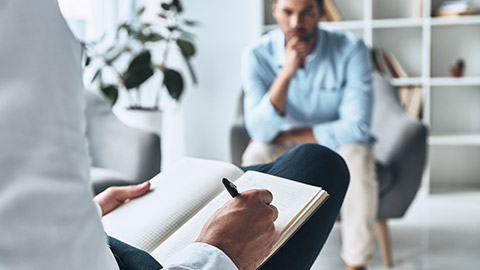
113,197
243,228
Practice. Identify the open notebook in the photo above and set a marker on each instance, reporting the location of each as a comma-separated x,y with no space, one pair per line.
183,197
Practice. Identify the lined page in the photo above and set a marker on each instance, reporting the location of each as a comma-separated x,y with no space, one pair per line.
288,196
177,194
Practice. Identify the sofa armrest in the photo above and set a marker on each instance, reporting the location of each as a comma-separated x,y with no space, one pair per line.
406,160
239,139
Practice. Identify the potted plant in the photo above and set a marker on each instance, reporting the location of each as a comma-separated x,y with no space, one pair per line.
139,50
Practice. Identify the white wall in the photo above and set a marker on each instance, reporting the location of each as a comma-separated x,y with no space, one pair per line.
227,27
199,125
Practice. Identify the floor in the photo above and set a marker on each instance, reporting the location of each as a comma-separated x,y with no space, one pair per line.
439,232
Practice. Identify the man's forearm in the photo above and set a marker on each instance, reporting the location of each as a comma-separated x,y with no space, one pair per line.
278,91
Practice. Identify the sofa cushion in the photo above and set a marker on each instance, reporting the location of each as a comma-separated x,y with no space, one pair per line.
385,179
102,178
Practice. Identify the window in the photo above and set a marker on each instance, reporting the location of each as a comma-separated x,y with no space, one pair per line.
90,19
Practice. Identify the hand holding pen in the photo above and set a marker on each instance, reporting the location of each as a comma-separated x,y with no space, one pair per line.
231,188
244,227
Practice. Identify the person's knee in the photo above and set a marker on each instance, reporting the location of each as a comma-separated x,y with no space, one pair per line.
260,153
331,163
254,154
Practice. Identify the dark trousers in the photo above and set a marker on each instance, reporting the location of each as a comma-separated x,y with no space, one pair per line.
311,164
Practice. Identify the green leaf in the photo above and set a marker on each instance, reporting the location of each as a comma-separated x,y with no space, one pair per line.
111,92
174,83
190,22
178,5
113,53
88,60
124,26
192,72
139,70
153,37
140,11
165,6
98,75
187,48
187,34
128,28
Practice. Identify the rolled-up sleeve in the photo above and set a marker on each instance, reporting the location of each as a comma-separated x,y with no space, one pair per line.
201,256
355,110
262,120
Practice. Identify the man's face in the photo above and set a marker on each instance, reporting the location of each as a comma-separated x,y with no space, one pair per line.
297,18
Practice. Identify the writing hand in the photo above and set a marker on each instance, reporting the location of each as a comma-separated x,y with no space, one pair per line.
113,197
243,228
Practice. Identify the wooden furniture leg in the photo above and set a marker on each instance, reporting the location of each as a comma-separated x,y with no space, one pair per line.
383,236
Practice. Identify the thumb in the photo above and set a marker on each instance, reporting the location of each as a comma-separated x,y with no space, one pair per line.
135,191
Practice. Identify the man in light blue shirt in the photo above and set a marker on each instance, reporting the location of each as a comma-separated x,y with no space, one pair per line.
303,84
47,217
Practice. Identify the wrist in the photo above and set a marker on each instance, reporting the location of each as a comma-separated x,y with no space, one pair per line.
287,73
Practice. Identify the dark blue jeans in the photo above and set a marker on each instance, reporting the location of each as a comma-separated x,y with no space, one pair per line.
309,163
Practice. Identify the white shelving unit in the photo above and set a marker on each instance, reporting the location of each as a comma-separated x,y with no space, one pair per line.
427,46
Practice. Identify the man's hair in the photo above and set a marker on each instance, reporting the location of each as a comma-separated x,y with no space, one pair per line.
319,2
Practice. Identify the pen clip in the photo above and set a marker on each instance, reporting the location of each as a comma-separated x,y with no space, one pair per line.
231,188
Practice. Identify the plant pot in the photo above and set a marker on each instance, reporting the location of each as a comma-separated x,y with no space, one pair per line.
149,120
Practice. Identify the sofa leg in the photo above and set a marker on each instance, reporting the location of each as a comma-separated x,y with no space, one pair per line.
383,236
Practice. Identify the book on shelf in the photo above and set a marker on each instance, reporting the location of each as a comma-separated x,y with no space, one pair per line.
417,7
387,64
404,96
410,98
394,66
331,12
415,106
379,62
184,196
456,8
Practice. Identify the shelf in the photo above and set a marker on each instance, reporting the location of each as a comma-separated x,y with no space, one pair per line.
460,20
450,81
397,23
426,47
455,139
344,25
414,81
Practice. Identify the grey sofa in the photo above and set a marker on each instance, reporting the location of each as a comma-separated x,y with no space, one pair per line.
120,155
400,155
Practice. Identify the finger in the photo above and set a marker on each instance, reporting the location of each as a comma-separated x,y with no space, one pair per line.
293,40
275,212
140,189
133,191
265,196
300,46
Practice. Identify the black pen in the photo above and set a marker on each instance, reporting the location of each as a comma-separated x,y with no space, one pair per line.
231,188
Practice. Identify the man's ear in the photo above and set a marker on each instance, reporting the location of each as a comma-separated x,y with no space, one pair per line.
274,8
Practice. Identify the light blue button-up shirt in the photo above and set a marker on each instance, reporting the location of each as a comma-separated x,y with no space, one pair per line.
332,94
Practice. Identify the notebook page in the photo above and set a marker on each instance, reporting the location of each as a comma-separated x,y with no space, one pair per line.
288,196
300,219
177,194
